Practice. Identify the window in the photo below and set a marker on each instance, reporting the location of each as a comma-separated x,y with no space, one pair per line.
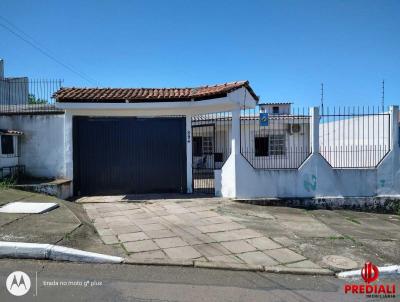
275,110
7,145
202,145
270,145
197,146
207,145
277,144
261,146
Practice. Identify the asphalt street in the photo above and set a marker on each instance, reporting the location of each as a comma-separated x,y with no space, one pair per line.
62,281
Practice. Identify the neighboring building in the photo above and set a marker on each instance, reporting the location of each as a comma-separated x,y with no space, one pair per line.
276,108
13,90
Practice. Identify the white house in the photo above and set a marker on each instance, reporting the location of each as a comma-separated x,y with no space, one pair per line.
142,140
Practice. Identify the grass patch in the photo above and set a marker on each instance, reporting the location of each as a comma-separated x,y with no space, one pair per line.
336,238
353,220
344,237
6,183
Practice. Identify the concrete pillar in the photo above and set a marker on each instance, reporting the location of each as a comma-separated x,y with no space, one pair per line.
235,139
189,172
394,127
314,130
68,160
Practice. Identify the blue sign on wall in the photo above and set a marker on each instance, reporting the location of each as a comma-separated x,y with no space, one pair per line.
263,119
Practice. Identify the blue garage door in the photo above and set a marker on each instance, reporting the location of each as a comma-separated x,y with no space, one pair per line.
129,155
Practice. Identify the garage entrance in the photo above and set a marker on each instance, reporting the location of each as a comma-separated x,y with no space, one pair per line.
127,155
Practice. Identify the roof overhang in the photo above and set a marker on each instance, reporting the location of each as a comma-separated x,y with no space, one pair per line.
238,99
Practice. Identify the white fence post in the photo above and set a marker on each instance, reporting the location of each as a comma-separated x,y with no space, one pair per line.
235,132
314,130
394,127
189,163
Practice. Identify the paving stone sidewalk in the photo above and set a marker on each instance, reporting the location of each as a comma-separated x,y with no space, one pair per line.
168,230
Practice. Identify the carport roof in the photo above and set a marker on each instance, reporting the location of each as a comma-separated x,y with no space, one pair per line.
122,95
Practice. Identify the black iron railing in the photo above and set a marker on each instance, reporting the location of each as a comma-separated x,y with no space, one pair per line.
25,96
354,137
275,140
211,147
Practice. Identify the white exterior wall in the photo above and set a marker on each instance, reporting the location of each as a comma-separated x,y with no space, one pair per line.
315,178
41,145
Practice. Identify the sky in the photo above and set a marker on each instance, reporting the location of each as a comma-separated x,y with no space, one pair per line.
285,48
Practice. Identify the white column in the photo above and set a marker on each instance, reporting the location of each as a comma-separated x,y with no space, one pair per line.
314,130
235,140
68,146
189,176
394,127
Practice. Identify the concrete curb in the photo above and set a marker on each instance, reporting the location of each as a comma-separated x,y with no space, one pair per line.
300,271
384,271
161,262
230,266
22,250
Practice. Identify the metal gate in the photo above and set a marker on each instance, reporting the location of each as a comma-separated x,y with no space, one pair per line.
129,155
210,148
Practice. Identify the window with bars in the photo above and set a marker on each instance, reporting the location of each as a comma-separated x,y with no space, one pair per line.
207,145
7,144
202,145
277,144
270,145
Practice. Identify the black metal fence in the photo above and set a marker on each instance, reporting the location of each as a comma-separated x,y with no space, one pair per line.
275,138
210,148
24,96
354,137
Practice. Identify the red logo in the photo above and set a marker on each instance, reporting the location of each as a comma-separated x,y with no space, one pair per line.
369,272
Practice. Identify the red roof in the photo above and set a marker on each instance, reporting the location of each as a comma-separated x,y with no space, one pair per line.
148,94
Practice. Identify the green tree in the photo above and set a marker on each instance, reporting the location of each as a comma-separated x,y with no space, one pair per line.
32,99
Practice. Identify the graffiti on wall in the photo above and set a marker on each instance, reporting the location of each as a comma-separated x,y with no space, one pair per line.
310,184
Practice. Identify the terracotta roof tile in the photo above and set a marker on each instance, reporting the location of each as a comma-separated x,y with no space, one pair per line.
148,94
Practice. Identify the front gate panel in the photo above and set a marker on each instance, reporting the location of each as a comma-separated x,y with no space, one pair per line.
211,147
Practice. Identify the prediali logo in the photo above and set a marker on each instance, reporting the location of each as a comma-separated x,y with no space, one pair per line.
370,273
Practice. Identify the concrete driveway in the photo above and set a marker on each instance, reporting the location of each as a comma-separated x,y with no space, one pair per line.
214,230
